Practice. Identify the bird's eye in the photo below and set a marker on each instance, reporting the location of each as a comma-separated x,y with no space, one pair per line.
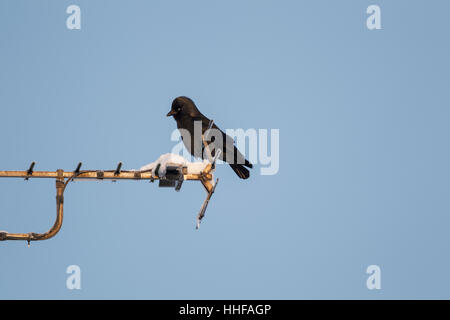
179,109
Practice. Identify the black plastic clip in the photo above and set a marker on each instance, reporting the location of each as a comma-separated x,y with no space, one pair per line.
118,169
77,170
30,170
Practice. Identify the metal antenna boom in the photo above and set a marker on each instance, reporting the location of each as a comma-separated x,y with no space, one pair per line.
63,178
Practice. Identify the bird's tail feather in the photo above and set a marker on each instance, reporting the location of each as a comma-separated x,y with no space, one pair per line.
240,170
239,158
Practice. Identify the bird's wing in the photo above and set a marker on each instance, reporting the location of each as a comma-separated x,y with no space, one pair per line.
205,122
230,153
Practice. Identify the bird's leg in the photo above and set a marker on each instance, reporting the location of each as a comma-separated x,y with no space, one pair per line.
205,144
208,151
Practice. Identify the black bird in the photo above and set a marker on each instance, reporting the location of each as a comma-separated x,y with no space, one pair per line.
185,113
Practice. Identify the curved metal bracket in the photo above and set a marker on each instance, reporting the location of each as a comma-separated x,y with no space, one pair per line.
61,185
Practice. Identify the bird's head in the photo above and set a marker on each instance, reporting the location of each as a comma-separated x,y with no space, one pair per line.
183,106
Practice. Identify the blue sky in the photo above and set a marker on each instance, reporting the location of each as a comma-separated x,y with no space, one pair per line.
364,148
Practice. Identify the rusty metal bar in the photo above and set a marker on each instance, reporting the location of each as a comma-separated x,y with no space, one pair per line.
92,174
210,188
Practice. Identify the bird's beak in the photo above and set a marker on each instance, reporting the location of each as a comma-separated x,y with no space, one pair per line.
171,113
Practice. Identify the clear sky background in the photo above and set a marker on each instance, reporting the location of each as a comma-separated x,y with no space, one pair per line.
364,148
